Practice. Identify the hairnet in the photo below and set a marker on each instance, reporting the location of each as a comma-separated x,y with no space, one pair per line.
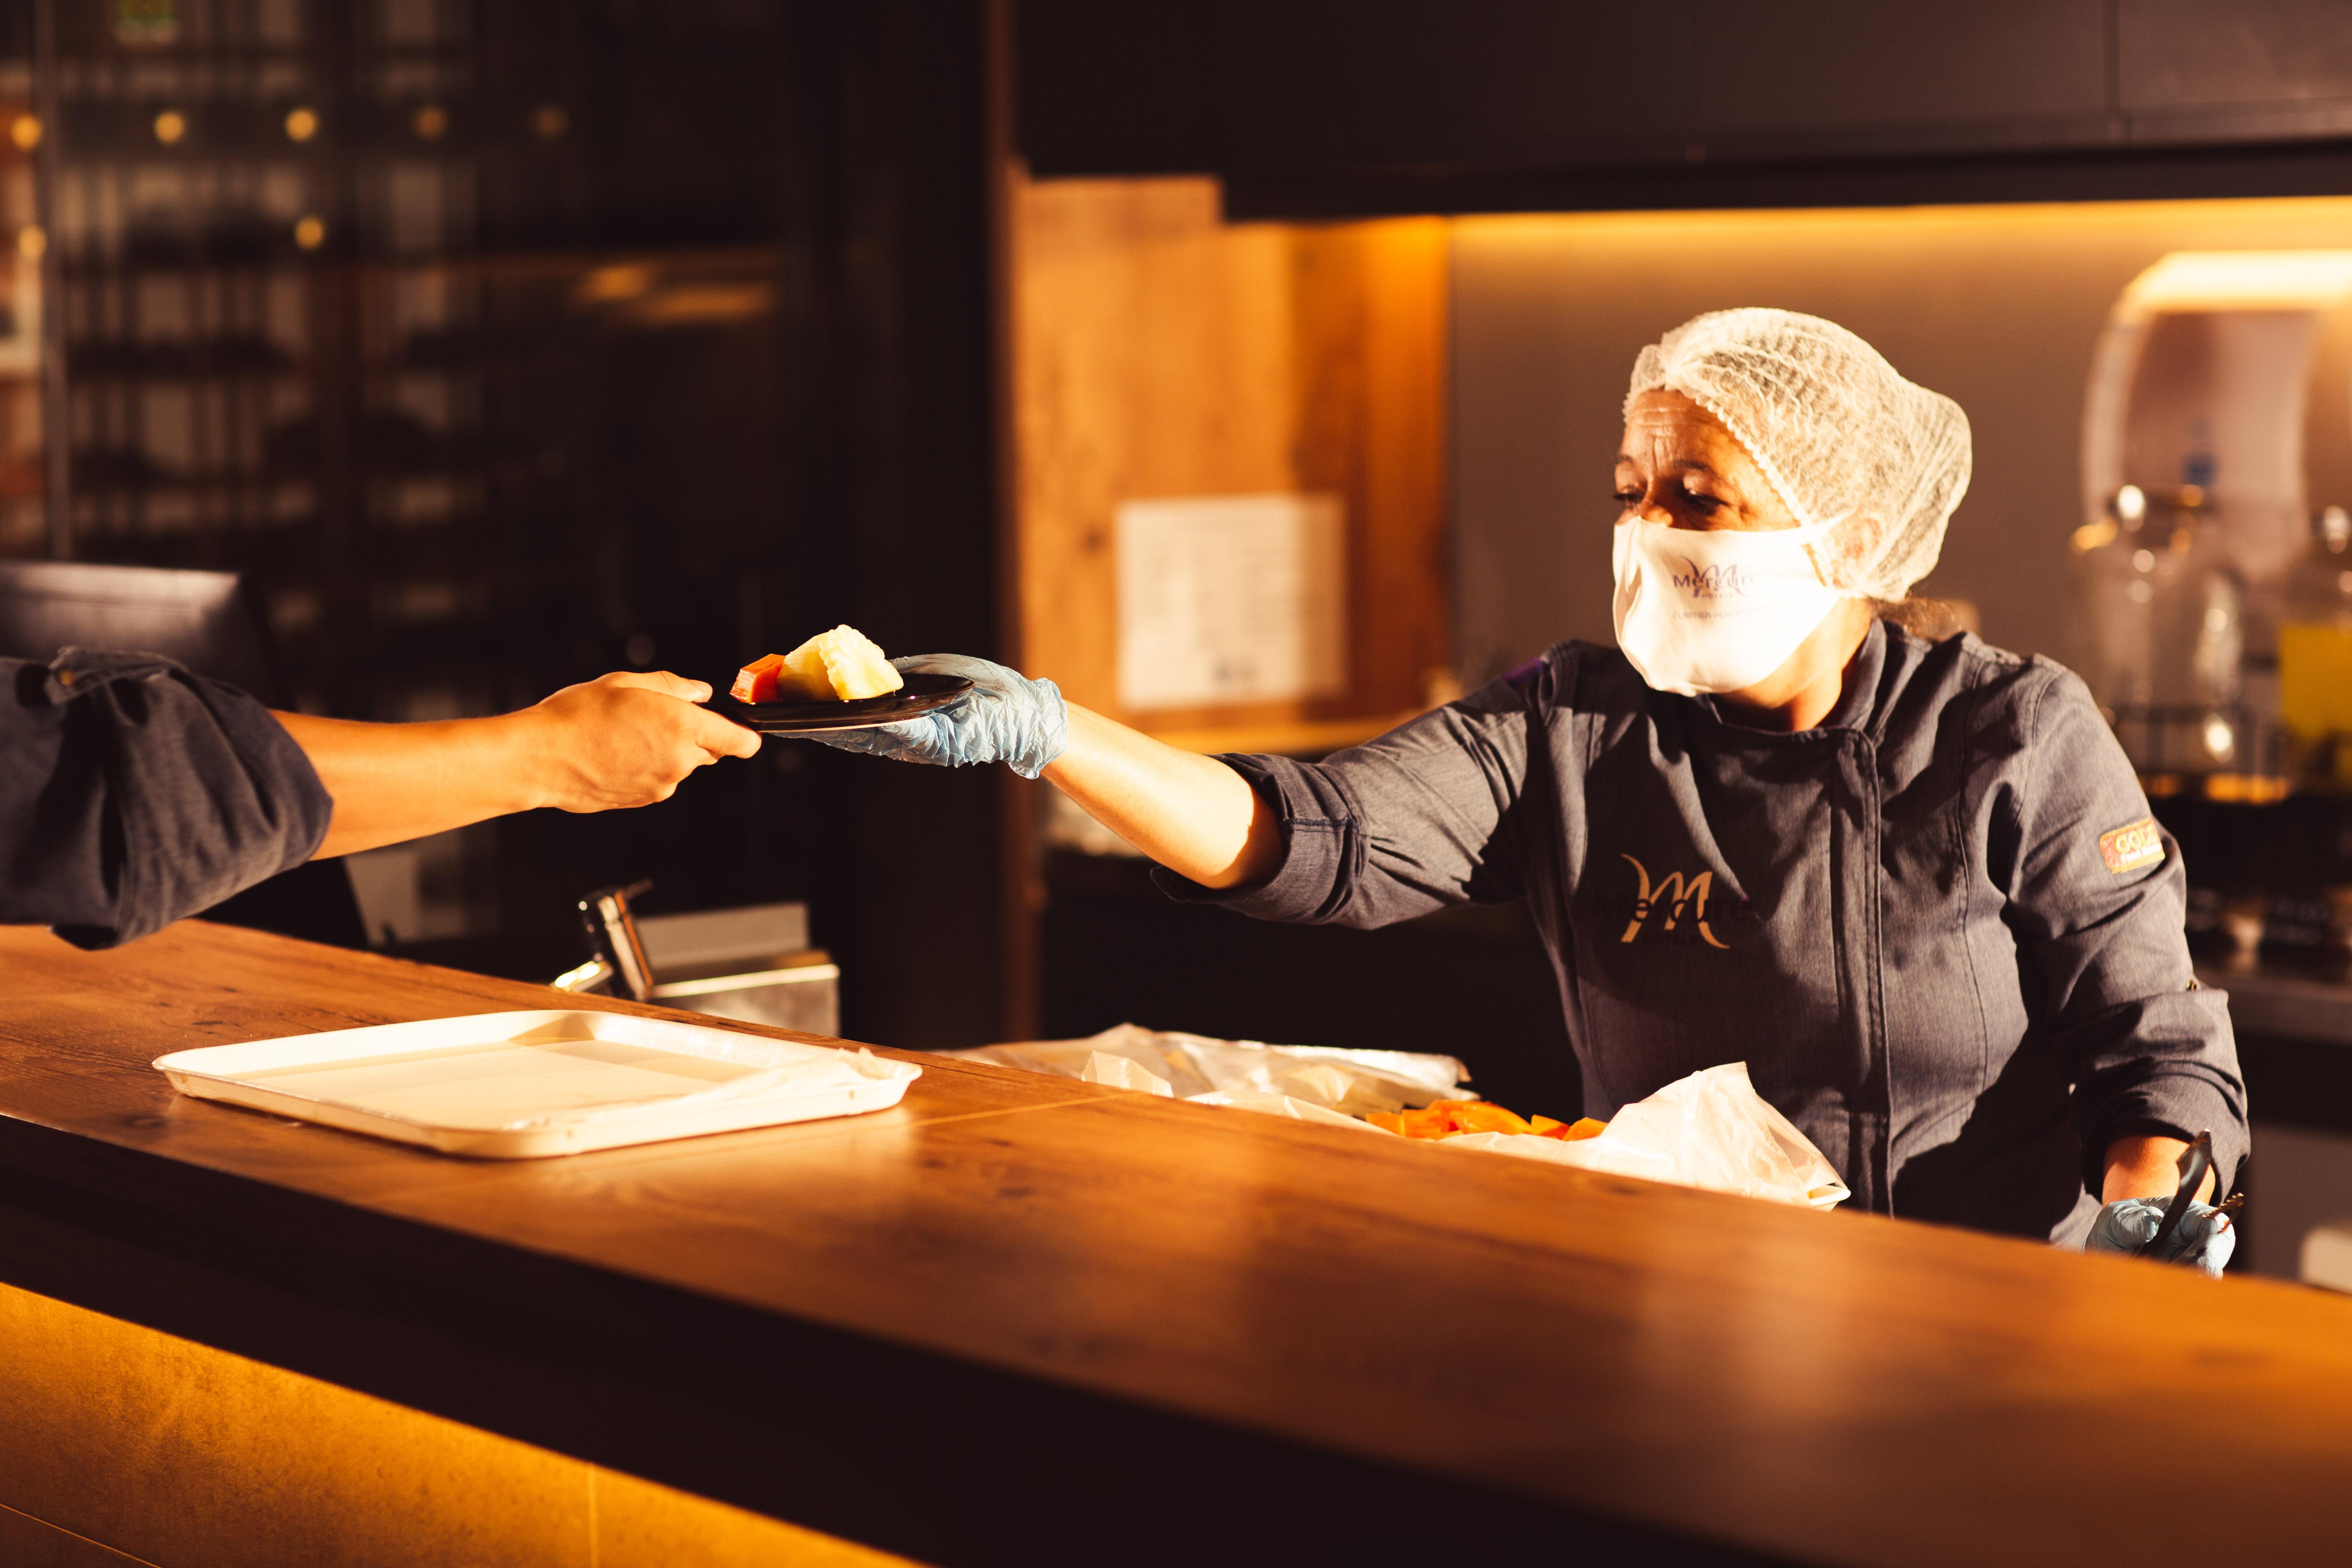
1876,461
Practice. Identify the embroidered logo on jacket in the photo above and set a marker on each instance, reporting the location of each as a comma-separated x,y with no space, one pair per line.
1676,897
2129,849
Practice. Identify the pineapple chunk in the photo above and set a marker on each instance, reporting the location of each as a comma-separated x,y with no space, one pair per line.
842,665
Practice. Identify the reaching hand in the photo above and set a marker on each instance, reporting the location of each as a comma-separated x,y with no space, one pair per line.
1008,719
627,740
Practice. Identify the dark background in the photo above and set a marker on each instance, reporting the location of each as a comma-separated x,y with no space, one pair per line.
634,489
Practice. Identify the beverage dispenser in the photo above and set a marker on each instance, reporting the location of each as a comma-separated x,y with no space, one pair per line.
2214,564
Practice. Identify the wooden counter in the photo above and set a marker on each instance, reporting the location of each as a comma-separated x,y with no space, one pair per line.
1022,1320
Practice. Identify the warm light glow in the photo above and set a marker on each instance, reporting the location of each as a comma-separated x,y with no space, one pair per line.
310,232
25,131
705,304
91,1398
2243,281
549,122
2075,224
302,124
607,284
170,126
432,121
31,241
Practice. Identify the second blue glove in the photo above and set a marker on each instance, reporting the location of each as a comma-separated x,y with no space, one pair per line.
2204,1238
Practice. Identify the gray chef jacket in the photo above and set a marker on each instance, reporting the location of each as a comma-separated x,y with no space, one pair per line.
132,793
1939,927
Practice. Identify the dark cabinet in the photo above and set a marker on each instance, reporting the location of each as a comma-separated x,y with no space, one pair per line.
1326,83
1365,105
2191,71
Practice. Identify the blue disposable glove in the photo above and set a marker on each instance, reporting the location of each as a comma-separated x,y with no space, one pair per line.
1007,718
2203,1239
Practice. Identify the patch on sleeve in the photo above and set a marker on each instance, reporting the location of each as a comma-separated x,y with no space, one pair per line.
2129,849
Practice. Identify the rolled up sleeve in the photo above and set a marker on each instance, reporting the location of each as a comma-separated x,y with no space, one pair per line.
1423,817
133,792
2100,917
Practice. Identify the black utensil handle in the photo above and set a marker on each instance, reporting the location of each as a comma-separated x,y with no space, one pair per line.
2194,1161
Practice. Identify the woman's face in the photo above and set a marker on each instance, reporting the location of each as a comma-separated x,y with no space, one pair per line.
1679,466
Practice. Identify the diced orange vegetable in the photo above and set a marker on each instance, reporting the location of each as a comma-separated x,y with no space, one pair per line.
1577,1131
1452,1117
1477,1116
756,681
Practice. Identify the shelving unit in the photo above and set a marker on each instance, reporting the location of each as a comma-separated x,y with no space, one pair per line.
22,241
367,299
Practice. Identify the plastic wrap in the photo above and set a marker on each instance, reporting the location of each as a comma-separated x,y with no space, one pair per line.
1710,1129
1285,1105
1193,1066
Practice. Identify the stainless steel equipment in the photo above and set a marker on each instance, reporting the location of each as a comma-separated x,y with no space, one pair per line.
752,964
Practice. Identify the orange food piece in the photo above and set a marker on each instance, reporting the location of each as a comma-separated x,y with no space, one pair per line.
756,681
1452,1117
1577,1131
1477,1116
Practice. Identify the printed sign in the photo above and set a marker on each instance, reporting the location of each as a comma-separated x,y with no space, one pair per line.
1231,599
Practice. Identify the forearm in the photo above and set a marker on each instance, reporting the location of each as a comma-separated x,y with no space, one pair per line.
392,783
2148,1167
1191,814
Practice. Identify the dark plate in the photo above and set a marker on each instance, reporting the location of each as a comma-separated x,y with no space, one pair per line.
921,694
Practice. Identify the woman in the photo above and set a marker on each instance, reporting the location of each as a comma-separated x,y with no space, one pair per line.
1913,885
132,793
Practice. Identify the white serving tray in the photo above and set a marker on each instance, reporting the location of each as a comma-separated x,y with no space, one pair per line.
523,1086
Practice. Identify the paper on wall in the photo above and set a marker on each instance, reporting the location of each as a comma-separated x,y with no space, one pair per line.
1231,599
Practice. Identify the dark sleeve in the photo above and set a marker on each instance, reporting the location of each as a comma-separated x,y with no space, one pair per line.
132,793
1418,819
2099,901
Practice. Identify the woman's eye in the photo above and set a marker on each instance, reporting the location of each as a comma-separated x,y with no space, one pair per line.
1627,498
1705,505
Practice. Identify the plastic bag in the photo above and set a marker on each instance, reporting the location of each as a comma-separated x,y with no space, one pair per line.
1710,1129
1123,1072
1285,1105
1193,1066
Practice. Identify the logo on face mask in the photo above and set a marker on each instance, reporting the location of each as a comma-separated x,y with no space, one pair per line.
1712,582
1676,897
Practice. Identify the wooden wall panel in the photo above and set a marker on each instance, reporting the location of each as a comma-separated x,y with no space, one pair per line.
1161,352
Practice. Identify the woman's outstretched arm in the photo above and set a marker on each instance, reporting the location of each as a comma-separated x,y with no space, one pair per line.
1191,812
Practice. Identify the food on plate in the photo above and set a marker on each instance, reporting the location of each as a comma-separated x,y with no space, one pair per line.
839,665
1451,1118
756,681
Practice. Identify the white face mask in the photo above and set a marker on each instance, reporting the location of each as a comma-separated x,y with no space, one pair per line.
1714,610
